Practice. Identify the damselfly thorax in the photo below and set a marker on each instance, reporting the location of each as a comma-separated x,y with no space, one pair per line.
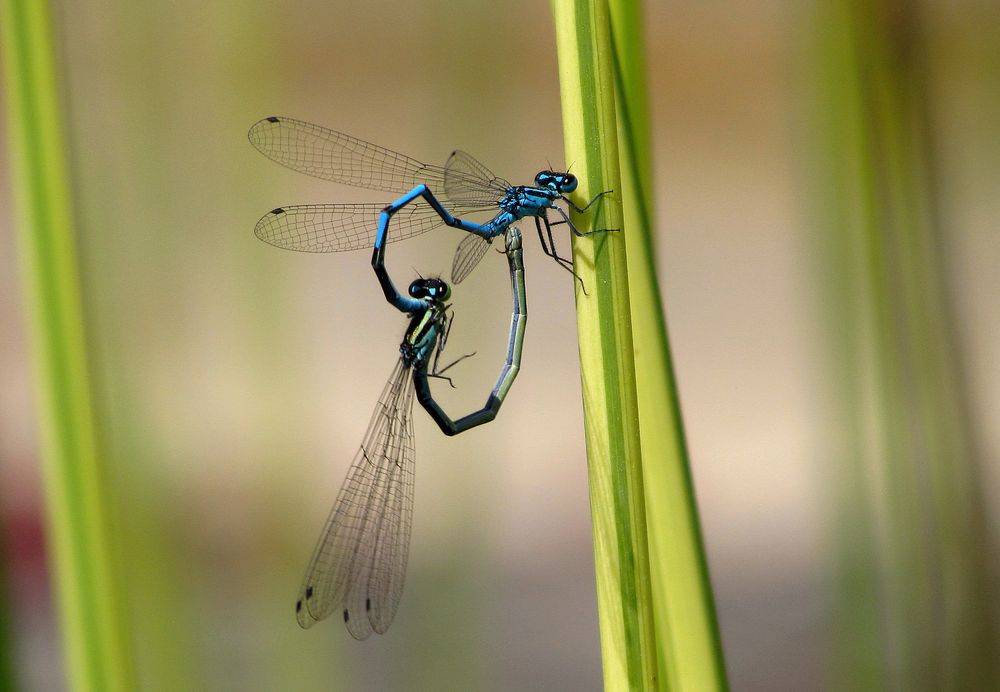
422,335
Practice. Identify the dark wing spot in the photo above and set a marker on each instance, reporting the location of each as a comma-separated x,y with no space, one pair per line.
279,210
272,119
309,592
298,605
368,604
347,616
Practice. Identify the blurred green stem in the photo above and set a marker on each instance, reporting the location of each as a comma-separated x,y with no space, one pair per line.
86,583
658,628
8,675
916,605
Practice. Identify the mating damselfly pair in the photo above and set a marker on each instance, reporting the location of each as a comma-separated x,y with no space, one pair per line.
359,564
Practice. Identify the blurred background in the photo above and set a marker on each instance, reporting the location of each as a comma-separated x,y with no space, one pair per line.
235,380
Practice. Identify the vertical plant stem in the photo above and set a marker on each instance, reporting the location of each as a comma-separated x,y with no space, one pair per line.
611,420
690,650
8,676
657,619
93,629
859,635
919,476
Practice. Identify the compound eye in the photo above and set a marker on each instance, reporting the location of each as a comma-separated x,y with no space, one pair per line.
442,291
418,289
568,183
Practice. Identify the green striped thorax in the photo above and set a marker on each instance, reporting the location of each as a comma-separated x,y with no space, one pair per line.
427,324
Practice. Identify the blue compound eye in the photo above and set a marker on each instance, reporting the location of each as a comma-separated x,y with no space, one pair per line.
440,290
567,183
430,288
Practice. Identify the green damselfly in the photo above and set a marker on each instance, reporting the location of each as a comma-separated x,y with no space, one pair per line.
359,564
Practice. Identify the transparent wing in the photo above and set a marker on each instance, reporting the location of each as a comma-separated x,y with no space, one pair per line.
466,181
340,158
339,227
470,251
359,564
335,156
392,548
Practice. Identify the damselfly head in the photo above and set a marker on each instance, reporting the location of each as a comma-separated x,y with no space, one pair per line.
430,288
555,181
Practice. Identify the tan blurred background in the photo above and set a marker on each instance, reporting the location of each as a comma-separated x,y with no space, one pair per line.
237,379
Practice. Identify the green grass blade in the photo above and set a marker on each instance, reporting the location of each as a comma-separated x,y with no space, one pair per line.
656,613
628,645
93,629
8,677
686,629
916,590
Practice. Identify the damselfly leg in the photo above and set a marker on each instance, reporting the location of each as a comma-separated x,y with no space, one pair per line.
435,372
550,250
582,209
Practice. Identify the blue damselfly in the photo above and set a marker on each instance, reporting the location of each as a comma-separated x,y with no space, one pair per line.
435,195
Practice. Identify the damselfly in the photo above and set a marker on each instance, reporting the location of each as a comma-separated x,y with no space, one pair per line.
359,564
462,186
